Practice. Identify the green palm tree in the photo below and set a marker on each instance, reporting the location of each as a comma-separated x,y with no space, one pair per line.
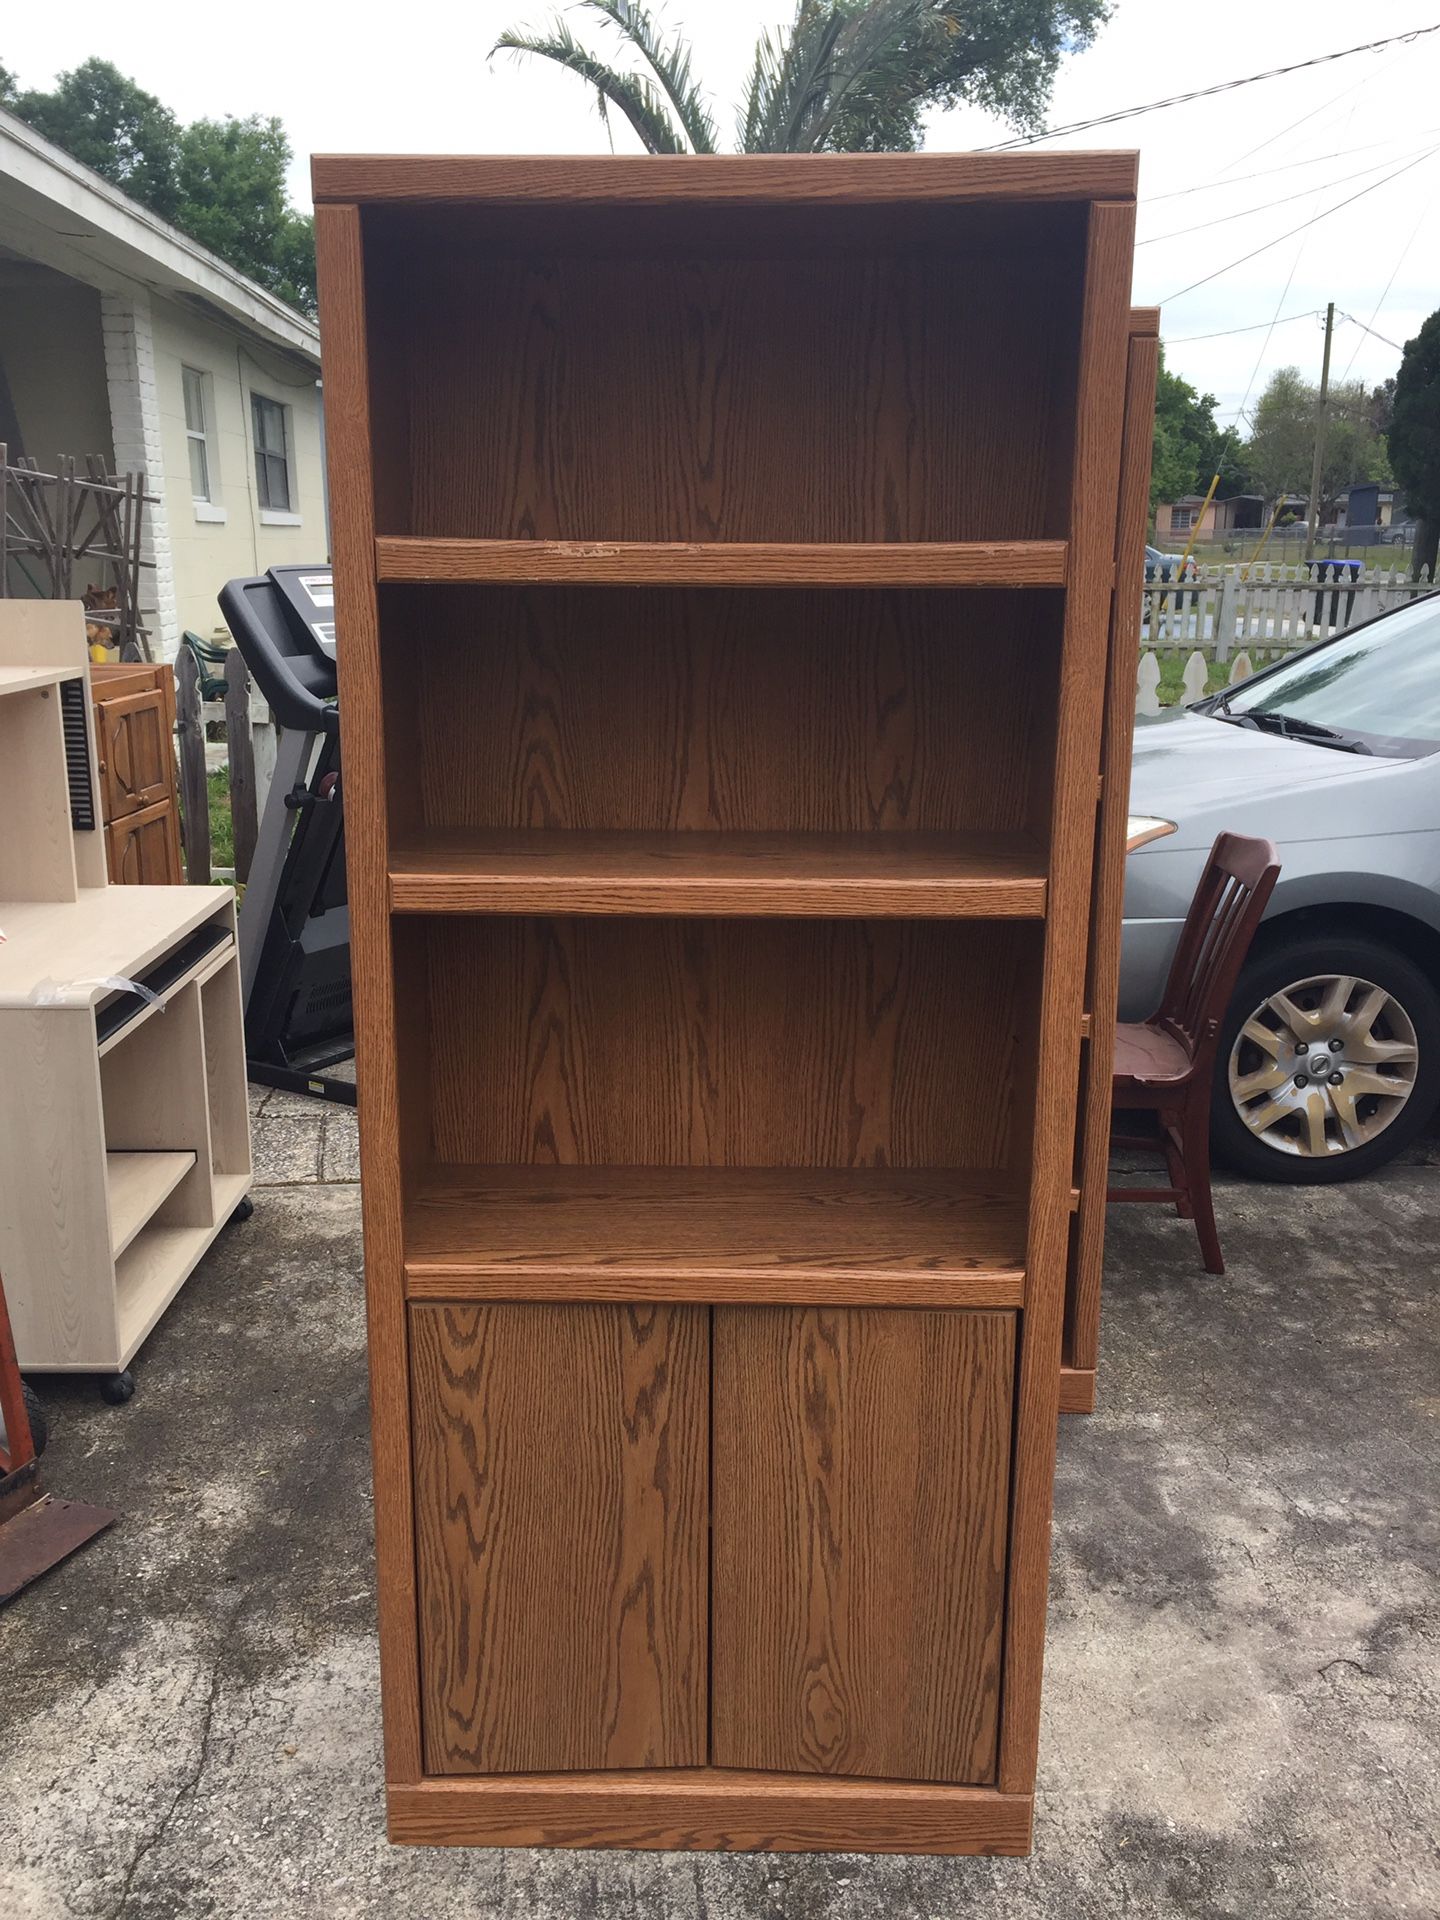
844,76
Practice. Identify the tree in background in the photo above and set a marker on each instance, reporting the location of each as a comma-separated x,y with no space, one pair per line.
220,181
849,76
1282,440
1414,436
1189,447
231,179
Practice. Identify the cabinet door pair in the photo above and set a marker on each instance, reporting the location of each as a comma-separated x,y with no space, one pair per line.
679,1536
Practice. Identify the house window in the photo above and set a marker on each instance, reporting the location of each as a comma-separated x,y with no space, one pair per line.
272,454
197,431
1181,519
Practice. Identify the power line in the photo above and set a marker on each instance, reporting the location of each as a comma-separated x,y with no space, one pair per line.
1244,213
1312,113
1265,173
1179,340
1399,262
1364,329
1254,252
1205,93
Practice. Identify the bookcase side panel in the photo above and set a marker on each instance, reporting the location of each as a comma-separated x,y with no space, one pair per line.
351,456
1093,493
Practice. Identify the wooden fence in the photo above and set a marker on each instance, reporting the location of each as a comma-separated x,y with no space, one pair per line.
1242,617
250,760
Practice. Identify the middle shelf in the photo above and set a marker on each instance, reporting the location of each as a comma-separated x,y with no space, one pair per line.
835,1236
932,875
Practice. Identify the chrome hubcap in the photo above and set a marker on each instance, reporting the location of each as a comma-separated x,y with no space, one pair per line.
1324,1065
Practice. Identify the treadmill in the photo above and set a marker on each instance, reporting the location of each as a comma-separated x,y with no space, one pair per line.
295,916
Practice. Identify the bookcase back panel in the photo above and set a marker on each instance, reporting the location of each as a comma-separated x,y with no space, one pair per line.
831,1043
898,388
743,711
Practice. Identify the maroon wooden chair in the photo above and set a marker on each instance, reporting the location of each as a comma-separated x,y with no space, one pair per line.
1165,1065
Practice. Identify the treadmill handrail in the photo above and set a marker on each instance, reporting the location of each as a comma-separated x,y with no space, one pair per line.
293,703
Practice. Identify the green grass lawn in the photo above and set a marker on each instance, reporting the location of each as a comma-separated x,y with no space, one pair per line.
222,834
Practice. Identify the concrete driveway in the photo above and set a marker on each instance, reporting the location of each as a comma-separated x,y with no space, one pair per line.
1243,1687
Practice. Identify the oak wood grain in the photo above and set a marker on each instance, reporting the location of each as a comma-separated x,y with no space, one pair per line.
710,1807
633,1041
996,563
1082,1305
727,711
561,1460
861,1462
749,179
383,1125
1077,1389
949,876
1094,495
716,1233
869,397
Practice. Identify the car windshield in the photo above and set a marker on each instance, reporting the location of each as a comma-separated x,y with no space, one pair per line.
1378,686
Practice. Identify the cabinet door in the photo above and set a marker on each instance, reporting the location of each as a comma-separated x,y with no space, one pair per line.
561,1466
143,849
861,1474
136,756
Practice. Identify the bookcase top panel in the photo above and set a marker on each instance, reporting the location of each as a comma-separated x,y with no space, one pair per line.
723,179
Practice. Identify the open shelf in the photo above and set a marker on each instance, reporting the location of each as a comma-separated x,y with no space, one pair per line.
562,385
139,1184
832,1236
934,875
729,711
969,563
149,1274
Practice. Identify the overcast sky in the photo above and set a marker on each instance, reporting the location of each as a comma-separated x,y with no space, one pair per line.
415,77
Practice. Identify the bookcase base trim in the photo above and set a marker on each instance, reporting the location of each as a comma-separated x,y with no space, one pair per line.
1077,1389
708,1809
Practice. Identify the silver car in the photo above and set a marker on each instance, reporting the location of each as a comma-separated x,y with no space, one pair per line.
1329,1058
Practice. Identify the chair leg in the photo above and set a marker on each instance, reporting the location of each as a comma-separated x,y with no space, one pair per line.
1172,1146
1195,1139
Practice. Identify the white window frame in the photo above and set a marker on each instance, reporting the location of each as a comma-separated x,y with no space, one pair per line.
275,516
206,506
1182,519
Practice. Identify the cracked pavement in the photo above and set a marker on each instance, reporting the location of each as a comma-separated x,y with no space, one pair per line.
1243,1673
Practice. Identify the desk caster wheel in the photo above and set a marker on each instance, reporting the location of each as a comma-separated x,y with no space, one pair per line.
243,1210
35,1414
117,1388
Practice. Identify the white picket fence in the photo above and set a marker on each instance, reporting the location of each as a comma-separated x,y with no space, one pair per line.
1247,615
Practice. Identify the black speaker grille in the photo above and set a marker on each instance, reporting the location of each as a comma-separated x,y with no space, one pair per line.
77,756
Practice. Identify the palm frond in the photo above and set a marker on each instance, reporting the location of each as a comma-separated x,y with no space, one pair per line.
671,65
788,76
635,96
803,78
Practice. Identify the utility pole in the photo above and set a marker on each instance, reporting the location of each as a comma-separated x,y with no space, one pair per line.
1312,523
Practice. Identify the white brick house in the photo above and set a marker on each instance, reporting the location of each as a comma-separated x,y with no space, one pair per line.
120,336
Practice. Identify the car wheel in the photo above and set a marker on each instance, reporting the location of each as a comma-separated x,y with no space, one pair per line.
1329,1061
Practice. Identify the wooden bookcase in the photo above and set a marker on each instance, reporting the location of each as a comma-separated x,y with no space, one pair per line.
1102,978
724,555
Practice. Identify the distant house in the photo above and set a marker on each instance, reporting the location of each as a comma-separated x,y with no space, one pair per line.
1188,518
120,336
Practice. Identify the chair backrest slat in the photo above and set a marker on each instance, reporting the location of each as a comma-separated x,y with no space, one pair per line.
1233,893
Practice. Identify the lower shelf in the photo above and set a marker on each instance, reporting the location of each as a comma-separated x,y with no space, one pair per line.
138,1184
933,1236
710,1808
159,1260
